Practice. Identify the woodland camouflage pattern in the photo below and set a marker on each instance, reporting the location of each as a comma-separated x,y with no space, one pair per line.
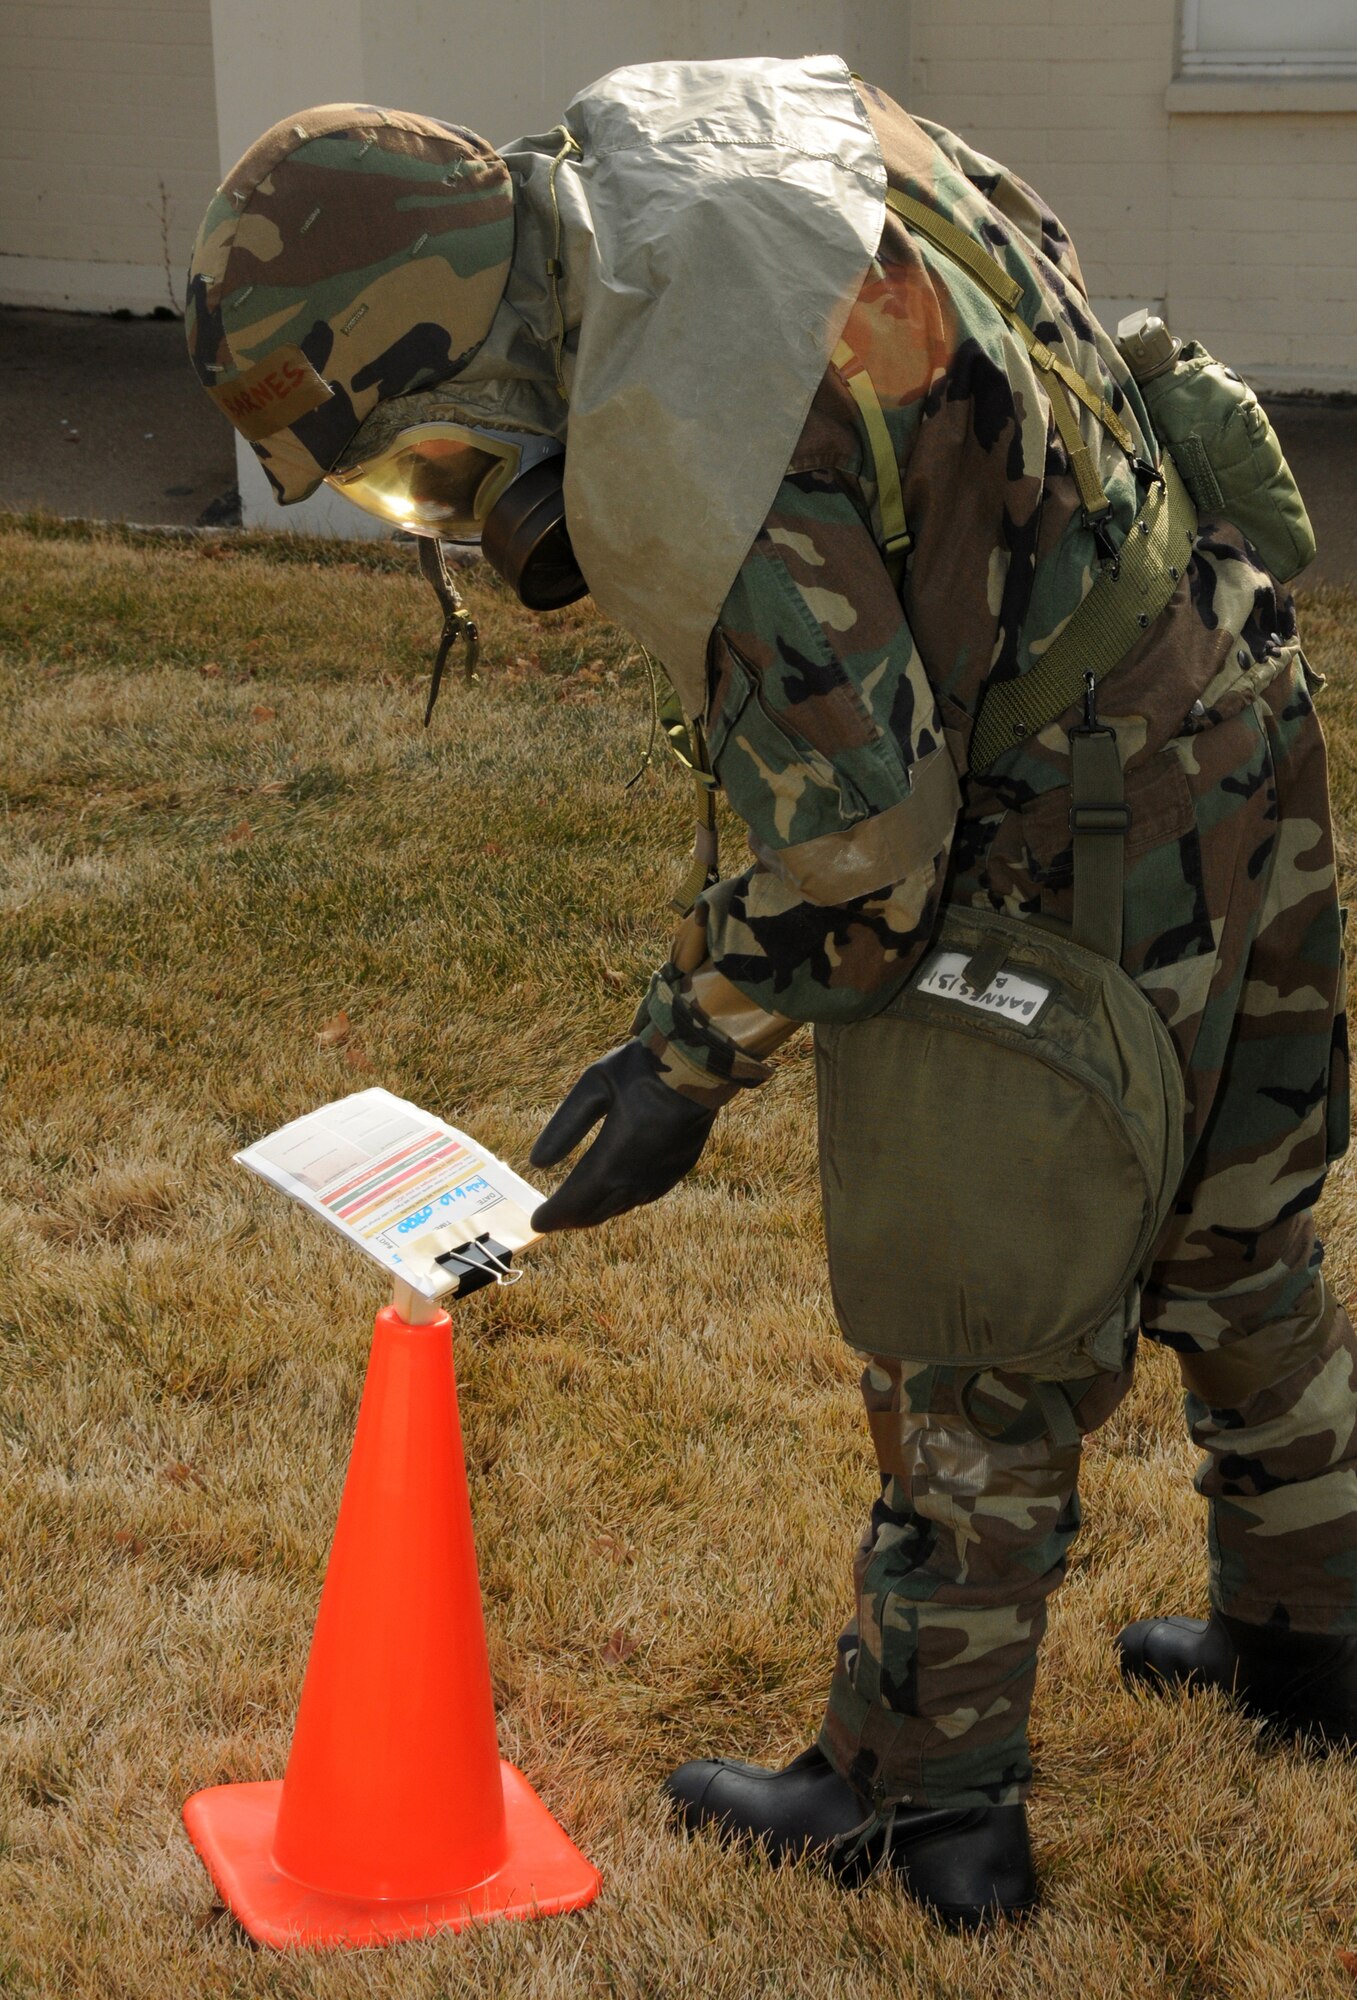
354,254
830,699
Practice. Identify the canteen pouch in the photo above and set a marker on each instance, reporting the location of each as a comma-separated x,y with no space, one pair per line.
1227,452
997,1159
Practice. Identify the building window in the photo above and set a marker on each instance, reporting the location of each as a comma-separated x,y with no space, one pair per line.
1265,38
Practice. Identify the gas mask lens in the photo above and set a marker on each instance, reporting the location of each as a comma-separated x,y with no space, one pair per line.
466,483
440,478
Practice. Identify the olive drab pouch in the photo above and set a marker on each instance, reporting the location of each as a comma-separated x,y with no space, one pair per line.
999,1149
1222,443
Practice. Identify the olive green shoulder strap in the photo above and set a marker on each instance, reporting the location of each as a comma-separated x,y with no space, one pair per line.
1122,603
1062,381
1127,597
896,540
1063,384
1099,820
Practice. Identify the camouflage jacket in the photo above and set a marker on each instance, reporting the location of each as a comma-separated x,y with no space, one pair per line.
840,710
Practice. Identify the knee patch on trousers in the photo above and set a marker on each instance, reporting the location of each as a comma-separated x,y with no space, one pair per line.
1226,1377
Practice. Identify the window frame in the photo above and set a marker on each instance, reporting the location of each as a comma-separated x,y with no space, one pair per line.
1196,62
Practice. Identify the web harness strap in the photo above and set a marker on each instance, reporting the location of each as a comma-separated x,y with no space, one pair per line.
1123,603
1126,597
896,540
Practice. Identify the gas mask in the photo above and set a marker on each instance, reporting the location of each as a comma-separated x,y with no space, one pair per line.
467,485
474,484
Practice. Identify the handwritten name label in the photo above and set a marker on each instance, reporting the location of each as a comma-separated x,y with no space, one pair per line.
1009,995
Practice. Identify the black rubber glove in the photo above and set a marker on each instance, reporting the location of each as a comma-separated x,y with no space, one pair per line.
650,1138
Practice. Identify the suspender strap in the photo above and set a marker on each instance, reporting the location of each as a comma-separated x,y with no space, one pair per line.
961,247
1092,399
1125,599
688,747
1006,294
896,540
1099,818
1063,385
704,868
1092,493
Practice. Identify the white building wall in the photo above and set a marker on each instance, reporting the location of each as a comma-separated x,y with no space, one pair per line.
1263,251
108,150
1232,202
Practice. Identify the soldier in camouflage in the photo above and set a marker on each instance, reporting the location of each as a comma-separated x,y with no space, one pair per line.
1232,929
840,711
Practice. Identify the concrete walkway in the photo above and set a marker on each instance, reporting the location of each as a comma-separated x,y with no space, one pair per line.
105,418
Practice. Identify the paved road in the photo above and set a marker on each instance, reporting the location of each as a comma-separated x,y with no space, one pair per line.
104,418
1320,442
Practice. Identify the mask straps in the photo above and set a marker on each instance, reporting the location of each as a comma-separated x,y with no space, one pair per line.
555,266
457,620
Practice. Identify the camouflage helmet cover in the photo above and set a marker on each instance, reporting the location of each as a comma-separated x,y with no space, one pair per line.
353,255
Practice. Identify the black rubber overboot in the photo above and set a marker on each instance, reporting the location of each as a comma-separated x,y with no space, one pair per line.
1303,1683
966,1864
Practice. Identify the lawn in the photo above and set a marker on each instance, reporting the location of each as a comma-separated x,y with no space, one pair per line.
223,828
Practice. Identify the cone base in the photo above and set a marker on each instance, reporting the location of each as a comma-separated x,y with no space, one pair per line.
232,1828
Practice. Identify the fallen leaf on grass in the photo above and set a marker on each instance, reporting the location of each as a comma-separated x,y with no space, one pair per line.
134,1545
210,670
181,1475
357,1058
616,980
261,712
1348,1961
335,1032
492,847
619,1647
239,834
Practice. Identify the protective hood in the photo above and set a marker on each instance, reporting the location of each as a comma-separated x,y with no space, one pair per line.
716,222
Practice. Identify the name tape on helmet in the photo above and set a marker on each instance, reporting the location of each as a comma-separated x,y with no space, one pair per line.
1008,995
272,394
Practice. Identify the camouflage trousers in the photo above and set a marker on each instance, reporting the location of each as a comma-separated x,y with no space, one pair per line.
1233,929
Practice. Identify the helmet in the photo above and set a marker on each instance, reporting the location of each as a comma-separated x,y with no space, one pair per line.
353,256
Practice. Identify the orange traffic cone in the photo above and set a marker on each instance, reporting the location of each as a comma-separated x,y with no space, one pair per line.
396,1817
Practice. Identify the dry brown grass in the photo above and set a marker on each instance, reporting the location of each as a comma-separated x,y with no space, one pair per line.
663,1435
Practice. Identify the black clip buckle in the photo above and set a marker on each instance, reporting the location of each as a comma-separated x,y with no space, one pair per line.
480,1262
1109,555
1090,726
